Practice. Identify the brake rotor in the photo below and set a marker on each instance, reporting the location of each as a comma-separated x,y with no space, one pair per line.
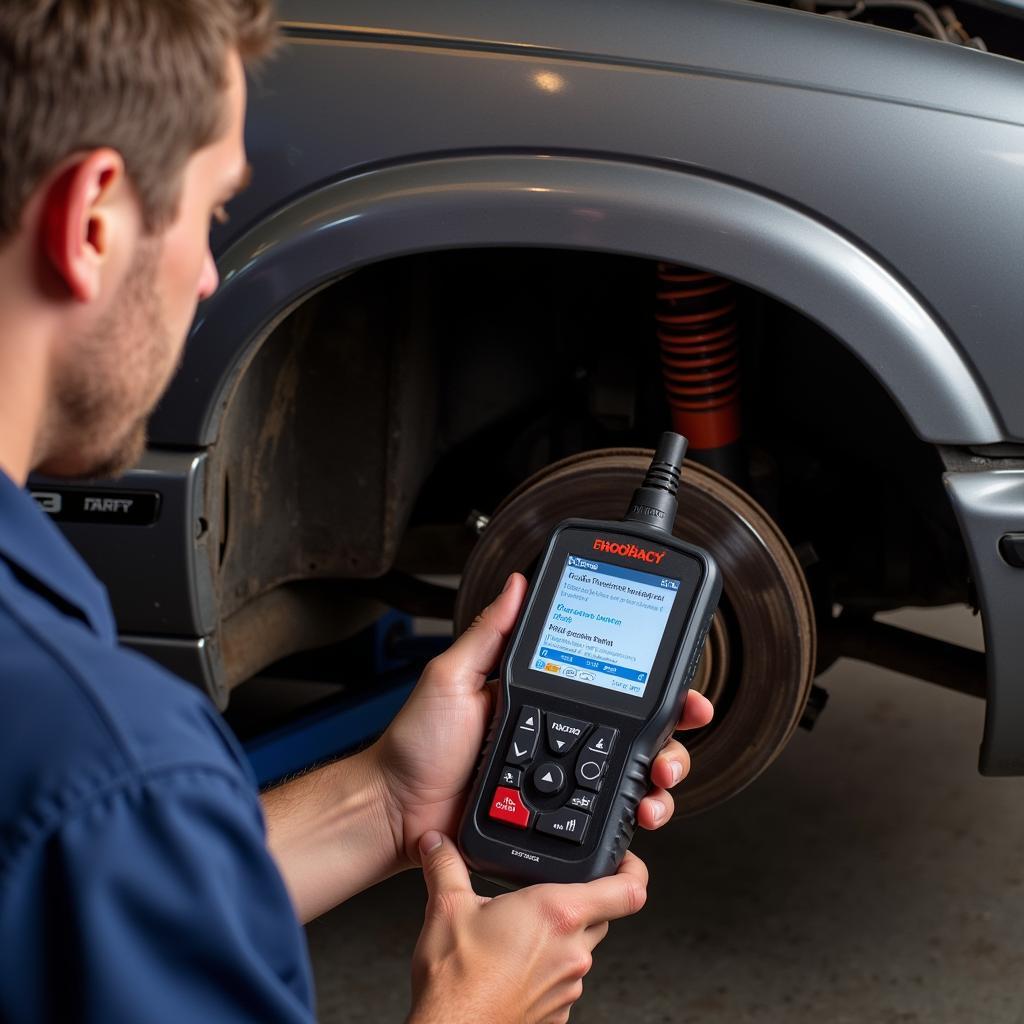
758,661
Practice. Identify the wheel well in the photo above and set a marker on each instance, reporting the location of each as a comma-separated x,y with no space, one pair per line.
387,407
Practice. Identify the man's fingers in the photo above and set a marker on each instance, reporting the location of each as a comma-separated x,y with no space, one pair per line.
473,656
618,895
697,711
491,688
655,809
634,867
595,933
444,870
671,766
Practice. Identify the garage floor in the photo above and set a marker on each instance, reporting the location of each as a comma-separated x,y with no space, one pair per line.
870,876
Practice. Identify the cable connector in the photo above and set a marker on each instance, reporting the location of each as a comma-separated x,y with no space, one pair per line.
654,501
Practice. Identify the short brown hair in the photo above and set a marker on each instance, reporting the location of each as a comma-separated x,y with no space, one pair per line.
144,77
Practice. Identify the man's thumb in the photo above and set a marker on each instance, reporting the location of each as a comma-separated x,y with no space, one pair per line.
443,868
475,653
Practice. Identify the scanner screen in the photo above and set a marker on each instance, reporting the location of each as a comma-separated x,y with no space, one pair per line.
605,625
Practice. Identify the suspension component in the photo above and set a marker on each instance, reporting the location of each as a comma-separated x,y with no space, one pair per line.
697,328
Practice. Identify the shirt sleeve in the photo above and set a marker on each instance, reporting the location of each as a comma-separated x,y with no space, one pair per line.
156,900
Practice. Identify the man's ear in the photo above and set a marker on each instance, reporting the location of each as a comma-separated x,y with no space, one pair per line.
80,219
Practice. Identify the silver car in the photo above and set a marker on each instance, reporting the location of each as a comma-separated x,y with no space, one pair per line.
492,250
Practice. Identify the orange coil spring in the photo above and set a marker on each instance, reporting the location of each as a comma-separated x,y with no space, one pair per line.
696,317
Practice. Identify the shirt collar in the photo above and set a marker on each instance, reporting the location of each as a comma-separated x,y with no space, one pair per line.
33,543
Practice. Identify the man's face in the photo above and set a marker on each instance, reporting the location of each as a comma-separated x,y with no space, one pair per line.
109,379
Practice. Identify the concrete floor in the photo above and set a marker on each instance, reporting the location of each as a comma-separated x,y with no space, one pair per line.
869,876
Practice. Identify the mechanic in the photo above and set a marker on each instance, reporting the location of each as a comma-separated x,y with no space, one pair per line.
137,879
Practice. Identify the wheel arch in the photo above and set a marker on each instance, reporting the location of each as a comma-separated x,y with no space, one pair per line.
573,202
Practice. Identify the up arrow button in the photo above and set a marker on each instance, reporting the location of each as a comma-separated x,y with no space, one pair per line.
524,738
564,733
548,778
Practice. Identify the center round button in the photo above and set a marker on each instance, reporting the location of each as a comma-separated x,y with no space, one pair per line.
548,778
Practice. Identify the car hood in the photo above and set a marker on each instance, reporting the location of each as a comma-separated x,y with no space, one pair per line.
725,37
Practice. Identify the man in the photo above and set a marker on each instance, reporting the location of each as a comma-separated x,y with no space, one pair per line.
136,880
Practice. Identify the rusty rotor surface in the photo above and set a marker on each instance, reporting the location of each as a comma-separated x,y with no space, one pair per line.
759,659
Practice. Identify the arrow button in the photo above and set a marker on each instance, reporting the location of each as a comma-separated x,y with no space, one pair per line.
564,733
524,739
529,719
520,750
548,778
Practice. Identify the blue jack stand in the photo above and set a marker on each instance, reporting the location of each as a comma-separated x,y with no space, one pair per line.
392,657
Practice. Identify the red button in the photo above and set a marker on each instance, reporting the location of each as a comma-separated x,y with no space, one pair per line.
507,805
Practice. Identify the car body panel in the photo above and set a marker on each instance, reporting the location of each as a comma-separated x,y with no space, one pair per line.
590,204
988,504
911,148
153,589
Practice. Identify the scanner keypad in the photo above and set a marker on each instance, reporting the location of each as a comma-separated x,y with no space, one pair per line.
573,767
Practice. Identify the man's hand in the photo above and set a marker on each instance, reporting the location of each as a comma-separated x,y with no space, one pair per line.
427,755
518,958
348,825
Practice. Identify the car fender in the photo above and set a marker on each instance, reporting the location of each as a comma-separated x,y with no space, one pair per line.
573,202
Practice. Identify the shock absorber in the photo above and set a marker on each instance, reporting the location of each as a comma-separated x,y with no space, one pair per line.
696,325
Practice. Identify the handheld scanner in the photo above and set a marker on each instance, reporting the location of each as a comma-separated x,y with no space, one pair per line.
592,684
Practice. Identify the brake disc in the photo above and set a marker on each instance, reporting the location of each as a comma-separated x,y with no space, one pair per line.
758,663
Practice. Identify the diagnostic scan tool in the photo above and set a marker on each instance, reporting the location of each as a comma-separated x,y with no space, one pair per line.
593,683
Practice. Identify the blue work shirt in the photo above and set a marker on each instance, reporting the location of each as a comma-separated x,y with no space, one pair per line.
135,882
